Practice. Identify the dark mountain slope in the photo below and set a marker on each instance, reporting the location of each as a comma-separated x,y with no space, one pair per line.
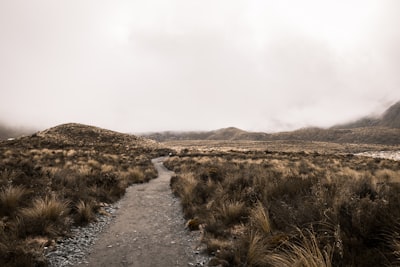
391,117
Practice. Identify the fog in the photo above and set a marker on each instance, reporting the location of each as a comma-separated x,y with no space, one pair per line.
139,66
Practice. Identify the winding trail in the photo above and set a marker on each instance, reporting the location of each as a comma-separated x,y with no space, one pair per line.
148,229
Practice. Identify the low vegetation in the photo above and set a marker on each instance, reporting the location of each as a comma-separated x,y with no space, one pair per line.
263,208
62,177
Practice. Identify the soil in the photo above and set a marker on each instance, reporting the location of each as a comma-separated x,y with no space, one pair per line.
149,230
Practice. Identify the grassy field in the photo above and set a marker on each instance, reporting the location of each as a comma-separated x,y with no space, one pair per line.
62,177
278,146
288,207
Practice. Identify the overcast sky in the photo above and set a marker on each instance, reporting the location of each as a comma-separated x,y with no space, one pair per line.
136,66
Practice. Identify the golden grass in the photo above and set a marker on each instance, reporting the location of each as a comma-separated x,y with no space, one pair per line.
259,217
46,216
256,252
231,211
341,203
305,252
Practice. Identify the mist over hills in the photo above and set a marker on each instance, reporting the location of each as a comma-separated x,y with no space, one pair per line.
13,132
384,129
390,118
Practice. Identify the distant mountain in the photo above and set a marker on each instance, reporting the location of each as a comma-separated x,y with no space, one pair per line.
390,118
384,129
230,133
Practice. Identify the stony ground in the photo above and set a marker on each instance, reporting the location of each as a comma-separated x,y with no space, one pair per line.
395,155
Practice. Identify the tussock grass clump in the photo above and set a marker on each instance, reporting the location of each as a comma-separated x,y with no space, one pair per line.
47,216
84,212
260,219
11,197
231,212
305,251
256,249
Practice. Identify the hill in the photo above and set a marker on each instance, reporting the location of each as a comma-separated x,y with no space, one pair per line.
230,133
63,176
391,117
384,129
363,135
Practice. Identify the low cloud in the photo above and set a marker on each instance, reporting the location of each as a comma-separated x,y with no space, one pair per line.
190,65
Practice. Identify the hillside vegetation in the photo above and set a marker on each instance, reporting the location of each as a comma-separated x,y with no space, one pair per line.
60,177
263,208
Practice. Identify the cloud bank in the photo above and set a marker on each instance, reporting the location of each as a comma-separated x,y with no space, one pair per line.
197,65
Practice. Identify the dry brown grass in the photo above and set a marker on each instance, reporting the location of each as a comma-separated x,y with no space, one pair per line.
47,216
84,212
305,252
58,177
256,253
260,219
308,209
11,197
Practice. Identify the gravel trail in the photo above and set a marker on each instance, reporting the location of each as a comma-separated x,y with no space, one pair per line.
148,230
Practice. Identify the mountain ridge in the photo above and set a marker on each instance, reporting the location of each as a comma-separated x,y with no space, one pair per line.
384,129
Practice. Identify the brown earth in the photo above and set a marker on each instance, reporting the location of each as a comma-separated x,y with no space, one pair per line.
148,230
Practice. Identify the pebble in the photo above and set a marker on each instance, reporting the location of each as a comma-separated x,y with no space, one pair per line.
71,251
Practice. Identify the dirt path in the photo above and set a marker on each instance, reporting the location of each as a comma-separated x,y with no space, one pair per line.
148,229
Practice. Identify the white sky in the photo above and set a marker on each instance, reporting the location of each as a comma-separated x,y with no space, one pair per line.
151,65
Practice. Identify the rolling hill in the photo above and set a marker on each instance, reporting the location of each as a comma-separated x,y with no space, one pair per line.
369,130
